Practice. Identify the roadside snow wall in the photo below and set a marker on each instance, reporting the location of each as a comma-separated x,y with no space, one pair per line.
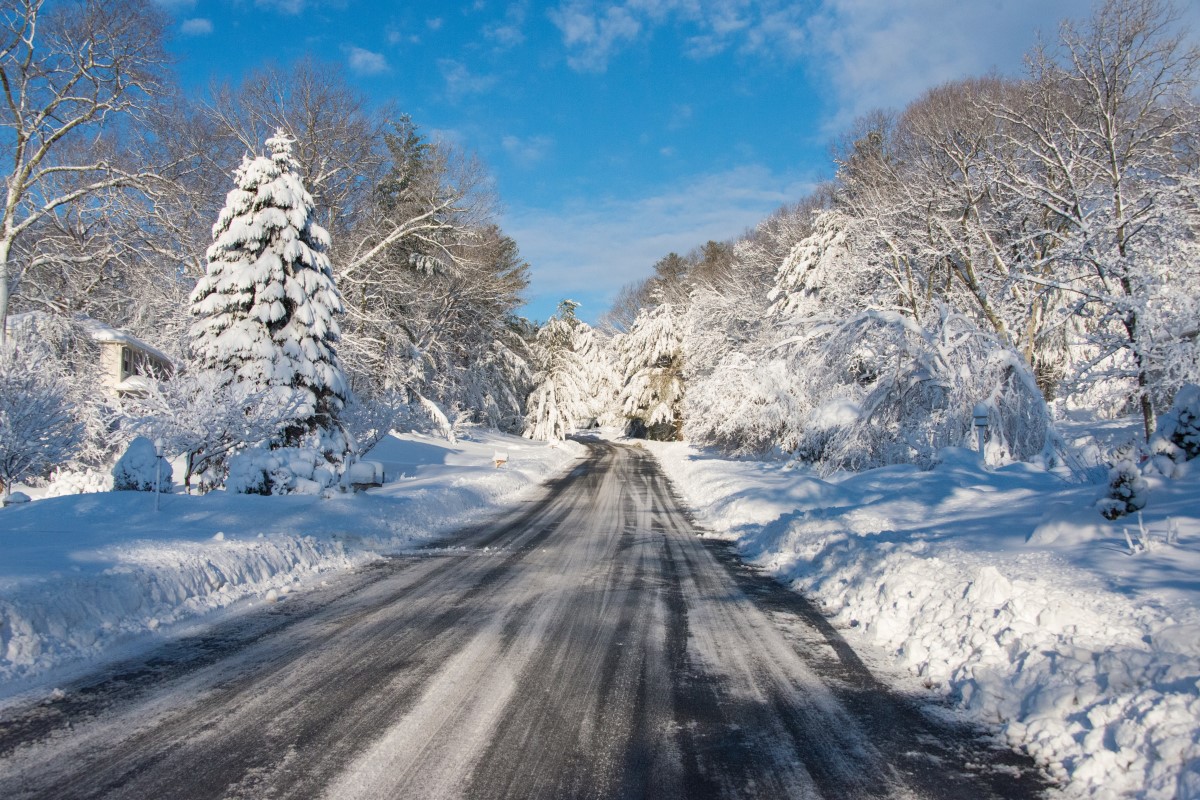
1004,591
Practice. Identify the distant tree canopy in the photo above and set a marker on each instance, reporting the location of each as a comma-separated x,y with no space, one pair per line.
1052,220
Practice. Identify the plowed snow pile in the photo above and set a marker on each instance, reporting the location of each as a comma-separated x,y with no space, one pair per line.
1003,589
85,573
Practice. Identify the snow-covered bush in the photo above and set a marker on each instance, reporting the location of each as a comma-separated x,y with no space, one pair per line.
746,406
62,345
207,417
1178,432
1127,490
141,470
369,419
37,428
285,470
86,481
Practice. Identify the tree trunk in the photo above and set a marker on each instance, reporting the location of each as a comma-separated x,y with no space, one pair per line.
5,247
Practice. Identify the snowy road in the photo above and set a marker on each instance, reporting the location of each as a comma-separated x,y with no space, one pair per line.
590,645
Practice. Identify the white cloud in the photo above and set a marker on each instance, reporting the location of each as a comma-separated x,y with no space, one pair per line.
593,248
197,26
862,54
282,6
681,115
874,55
505,36
593,32
508,32
594,36
527,152
365,62
434,23
461,81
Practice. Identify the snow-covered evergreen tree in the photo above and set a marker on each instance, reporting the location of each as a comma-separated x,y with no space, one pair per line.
814,268
652,359
559,401
266,309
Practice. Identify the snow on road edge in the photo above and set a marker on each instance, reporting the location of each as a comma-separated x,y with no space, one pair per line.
1100,685
86,576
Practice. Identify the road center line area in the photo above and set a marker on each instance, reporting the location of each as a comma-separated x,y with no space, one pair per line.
589,645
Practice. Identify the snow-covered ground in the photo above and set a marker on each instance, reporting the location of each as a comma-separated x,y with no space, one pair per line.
1003,589
85,576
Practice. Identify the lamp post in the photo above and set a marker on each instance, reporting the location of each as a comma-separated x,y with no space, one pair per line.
158,454
980,415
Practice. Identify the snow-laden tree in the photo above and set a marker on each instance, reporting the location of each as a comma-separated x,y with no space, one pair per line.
37,428
599,353
1103,128
747,405
559,400
266,308
817,274
651,359
738,387
64,346
885,390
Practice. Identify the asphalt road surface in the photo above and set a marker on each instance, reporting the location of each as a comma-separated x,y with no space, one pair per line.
590,644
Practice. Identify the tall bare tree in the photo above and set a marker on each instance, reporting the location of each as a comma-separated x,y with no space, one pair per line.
66,70
1102,127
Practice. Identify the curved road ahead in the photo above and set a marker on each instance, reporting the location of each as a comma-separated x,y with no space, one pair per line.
588,645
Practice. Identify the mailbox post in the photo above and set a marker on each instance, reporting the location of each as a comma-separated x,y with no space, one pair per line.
158,454
980,415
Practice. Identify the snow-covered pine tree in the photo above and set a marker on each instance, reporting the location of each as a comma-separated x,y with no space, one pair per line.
265,311
652,356
560,397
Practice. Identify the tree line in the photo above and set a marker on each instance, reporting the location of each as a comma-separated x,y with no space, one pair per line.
1016,242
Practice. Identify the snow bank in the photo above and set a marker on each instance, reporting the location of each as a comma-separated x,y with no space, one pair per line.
1003,590
81,574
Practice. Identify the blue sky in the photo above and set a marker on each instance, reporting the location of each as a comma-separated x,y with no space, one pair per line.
619,131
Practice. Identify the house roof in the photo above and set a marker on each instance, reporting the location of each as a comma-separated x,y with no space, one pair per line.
102,332
97,330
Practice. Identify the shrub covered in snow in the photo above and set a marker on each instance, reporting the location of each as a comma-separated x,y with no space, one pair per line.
1178,434
207,417
139,469
64,346
37,429
286,470
87,481
1127,490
